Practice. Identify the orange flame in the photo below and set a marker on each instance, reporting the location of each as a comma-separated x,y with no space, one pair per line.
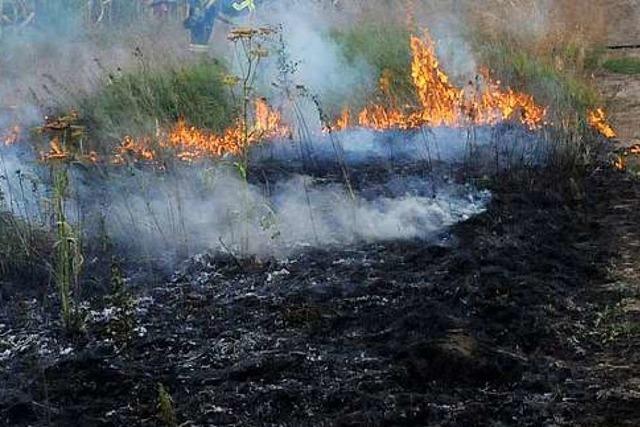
443,104
190,143
56,151
619,163
12,135
597,119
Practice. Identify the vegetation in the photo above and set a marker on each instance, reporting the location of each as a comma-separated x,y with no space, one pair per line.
627,65
386,50
136,102
166,411
24,249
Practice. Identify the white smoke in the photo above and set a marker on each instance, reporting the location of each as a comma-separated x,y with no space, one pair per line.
214,209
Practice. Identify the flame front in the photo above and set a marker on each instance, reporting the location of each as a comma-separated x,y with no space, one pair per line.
190,143
597,119
443,104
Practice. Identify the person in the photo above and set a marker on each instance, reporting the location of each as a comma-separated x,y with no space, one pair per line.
203,14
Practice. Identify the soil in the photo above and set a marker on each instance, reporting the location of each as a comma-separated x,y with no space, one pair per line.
525,315
622,95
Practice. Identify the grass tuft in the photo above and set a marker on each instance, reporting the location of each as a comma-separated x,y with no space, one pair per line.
385,48
629,66
136,102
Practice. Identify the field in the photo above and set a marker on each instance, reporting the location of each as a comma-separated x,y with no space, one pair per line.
365,213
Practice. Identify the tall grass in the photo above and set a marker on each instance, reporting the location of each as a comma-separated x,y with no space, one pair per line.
629,65
135,102
385,48
25,249
560,85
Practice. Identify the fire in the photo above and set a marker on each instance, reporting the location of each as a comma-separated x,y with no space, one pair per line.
12,135
597,119
441,103
56,151
136,149
619,163
190,143
268,122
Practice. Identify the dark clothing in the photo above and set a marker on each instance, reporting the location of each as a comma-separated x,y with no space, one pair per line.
202,17
201,20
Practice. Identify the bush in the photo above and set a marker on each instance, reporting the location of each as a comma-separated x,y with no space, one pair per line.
132,104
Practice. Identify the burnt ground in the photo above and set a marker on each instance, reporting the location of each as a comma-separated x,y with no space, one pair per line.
526,315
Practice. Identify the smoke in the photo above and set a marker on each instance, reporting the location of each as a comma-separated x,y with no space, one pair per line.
396,194
213,209
191,208
320,63
60,59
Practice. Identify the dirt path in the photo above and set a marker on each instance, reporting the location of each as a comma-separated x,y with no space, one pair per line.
622,93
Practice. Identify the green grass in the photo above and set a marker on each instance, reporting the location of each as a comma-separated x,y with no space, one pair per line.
385,48
563,89
133,103
629,66
24,249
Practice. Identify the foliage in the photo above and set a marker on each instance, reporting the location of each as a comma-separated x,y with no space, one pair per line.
385,48
136,102
166,411
626,65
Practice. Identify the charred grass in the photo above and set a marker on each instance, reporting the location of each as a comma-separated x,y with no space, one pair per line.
495,326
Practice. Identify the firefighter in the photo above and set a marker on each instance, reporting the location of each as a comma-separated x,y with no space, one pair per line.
203,14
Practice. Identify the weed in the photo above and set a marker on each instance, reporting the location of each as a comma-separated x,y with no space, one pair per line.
66,147
166,410
628,65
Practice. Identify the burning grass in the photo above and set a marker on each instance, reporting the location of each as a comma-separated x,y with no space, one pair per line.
385,49
562,88
188,112
190,143
136,103
441,103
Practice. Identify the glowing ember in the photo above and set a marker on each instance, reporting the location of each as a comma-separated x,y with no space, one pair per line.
12,135
598,120
190,143
130,148
443,104
619,163
56,151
